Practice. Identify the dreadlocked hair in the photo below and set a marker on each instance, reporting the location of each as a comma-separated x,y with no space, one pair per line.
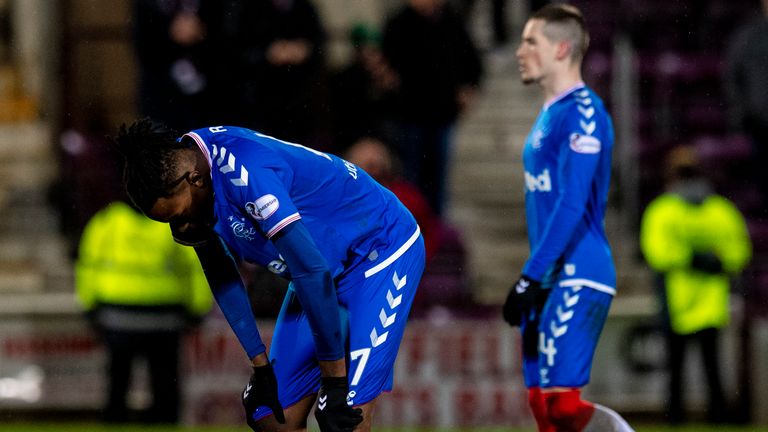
150,150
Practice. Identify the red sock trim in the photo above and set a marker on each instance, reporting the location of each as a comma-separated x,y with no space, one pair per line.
539,409
567,411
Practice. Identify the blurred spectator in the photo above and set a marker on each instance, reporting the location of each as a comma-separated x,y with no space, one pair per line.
696,240
498,18
277,49
363,93
374,157
175,47
140,291
443,282
439,71
89,179
746,84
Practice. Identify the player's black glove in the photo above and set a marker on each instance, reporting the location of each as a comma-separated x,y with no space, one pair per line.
261,391
332,412
706,262
523,296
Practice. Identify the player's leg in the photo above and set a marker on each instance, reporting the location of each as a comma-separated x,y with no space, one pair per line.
569,412
539,409
292,352
378,305
605,419
570,328
529,330
295,417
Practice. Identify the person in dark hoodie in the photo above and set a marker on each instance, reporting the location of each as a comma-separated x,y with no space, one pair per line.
439,71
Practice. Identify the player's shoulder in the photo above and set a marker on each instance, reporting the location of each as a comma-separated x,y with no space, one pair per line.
222,133
582,100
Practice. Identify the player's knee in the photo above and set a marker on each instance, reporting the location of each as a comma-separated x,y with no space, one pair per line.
567,412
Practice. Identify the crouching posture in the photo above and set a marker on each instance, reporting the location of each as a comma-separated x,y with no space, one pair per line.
353,253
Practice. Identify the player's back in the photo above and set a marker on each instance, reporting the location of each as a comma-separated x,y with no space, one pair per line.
344,209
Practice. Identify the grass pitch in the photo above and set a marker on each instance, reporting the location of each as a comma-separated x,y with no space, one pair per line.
91,427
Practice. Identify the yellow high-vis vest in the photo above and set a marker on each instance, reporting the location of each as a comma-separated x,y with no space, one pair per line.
128,259
672,230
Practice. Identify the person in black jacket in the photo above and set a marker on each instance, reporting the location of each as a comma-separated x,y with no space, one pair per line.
439,70
175,45
276,50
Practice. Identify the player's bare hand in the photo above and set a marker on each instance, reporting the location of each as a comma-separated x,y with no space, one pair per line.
332,412
261,393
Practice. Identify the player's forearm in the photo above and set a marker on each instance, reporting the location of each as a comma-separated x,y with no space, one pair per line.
230,294
315,289
557,235
317,296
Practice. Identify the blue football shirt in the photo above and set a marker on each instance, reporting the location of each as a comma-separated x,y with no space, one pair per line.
262,184
567,160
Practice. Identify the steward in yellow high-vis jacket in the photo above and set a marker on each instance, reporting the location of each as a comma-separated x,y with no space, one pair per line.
696,241
141,290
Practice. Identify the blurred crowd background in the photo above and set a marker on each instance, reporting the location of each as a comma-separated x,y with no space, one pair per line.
424,95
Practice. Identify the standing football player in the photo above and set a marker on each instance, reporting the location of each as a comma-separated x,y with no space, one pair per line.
562,297
353,253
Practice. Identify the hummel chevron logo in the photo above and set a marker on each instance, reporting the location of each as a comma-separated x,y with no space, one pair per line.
243,180
247,390
377,340
522,286
582,93
386,321
563,316
586,112
585,101
399,283
588,127
222,155
570,300
229,166
322,401
393,301
557,331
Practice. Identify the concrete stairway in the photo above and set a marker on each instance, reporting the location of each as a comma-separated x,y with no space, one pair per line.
32,253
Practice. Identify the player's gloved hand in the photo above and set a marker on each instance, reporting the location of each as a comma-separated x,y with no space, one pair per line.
706,262
261,391
523,296
332,412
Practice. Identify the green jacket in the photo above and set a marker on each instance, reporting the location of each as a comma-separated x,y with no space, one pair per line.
672,230
127,259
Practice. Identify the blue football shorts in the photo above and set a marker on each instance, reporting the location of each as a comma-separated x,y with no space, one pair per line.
375,302
559,341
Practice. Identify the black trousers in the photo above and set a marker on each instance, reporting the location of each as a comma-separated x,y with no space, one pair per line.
707,340
161,350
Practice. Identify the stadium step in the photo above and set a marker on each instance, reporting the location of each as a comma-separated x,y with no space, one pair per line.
34,255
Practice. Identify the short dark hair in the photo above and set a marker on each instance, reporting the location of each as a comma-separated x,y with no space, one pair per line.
151,156
572,26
